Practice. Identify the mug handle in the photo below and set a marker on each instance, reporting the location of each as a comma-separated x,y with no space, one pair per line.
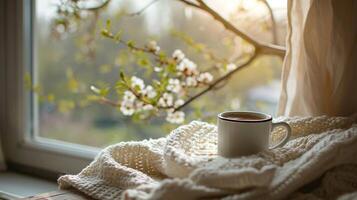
287,135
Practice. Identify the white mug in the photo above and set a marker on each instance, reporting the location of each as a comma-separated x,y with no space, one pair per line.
245,133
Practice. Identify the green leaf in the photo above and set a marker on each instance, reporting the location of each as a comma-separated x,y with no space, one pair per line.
108,24
143,62
131,44
137,88
104,91
106,33
120,86
117,36
156,83
122,75
136,117
162,55
171,68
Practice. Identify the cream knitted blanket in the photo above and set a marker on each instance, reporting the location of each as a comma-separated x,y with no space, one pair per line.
183,165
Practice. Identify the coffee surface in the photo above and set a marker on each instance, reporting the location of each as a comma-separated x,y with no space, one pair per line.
245,117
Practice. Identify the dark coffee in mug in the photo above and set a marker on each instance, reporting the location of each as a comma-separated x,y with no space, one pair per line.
244,116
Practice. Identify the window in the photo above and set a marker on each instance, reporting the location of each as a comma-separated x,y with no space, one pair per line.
62,62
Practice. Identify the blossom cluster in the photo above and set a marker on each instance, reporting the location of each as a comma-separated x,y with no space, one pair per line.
142,98
189,72
152,46
131,103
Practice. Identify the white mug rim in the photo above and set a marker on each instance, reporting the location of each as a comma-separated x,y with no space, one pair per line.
266,117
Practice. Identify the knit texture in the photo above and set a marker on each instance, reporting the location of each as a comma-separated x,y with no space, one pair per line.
184,165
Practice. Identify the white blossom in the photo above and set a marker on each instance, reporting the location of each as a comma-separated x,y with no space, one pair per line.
205,77
179,102
187,66
152,46
158,69
166,100
149,92
127,108
147,107
139,105
174,85
128,111
191,81
137,82
178,55
127,104
177,117
94,89
231,67
129,97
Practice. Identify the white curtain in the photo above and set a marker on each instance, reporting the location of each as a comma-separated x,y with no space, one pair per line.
320,68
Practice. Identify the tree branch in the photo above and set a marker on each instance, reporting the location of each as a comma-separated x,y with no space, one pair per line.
273,21
264,47
188,2
104,100
94,8
143,9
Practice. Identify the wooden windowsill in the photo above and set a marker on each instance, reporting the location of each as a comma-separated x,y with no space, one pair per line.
60,195
17,185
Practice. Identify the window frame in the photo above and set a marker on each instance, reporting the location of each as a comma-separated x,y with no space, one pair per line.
21,145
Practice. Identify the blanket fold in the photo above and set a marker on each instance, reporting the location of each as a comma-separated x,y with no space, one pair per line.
184,165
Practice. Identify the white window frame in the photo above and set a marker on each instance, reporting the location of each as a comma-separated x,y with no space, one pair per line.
18,107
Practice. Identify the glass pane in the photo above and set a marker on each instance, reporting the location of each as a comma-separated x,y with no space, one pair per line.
73,55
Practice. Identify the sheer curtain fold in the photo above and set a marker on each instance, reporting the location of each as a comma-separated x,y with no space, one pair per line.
320,68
